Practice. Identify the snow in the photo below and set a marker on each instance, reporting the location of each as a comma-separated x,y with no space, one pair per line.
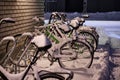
114,35
111,28
107,25
41,41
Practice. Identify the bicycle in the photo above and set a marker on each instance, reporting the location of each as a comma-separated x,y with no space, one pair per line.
38,74
89,32
62,46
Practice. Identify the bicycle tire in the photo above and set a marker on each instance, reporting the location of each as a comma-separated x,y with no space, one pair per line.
79,60
48,76
2,76
94,39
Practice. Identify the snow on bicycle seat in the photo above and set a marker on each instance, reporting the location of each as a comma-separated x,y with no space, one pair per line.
64,27
74,23
42,42
79,19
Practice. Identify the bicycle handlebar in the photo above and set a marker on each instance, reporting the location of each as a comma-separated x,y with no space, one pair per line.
9,38
7,20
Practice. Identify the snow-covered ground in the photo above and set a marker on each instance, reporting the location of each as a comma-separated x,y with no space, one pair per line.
111,28
109,31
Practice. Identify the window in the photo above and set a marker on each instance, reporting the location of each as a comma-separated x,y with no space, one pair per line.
51,0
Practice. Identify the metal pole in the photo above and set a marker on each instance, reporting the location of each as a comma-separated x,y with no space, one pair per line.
45,5
85,8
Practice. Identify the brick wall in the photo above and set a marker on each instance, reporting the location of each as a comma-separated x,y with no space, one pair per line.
22,11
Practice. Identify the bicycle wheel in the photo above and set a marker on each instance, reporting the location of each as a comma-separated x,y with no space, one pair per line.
83,55
51,76
2,76
91,38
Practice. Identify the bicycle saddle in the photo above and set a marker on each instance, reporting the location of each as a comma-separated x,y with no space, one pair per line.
74,23
81,20
64,27
42,42
84,28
